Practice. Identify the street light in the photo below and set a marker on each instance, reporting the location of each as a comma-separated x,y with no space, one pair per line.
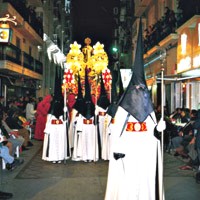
114,49
5,30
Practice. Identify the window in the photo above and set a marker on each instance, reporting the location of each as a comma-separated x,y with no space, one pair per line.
30,51
18,41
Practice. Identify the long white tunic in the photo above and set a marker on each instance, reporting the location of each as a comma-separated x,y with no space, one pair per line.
85,141
55,146
77,150
133,176
107,139
102,130
72,127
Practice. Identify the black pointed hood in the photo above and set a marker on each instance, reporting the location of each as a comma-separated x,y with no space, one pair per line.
103,100
58,86
121,88
136,99
117,92
57,105
80,103
89,108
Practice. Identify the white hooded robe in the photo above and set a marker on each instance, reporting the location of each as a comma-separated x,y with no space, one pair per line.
55,145
133,177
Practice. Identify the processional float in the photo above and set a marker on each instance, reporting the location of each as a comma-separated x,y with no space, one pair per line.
92,59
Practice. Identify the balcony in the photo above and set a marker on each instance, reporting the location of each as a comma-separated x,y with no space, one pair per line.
15,62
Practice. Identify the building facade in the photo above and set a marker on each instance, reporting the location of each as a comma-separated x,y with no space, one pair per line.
25,68
123,14
171,42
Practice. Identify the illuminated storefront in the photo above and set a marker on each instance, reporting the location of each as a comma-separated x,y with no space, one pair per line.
182,67
188,63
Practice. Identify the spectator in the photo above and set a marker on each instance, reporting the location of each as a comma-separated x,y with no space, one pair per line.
5,142
21,104
15,140
30,111
193,161
170,130
12,122
176,114
11,162
185,134
185,115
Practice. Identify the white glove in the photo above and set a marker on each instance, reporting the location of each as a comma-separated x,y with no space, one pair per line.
161,125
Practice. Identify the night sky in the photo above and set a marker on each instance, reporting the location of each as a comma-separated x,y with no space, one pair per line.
94,19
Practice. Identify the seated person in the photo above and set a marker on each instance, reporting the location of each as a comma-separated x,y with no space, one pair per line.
11,137
185,115
176,114
185,135
169,132
193,161
12,122
10,161
5,142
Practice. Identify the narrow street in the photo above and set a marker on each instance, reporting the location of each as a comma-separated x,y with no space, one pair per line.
40,180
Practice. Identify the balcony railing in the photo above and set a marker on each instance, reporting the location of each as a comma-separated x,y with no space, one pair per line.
12,53
28,61
161,29
38,67
168,24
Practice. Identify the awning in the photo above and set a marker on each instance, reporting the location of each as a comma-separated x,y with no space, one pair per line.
177,78
190,74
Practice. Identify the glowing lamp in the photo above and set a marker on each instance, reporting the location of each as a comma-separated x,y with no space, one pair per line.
114,49
5,30
5,34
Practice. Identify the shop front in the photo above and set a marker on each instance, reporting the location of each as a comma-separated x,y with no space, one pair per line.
181,68
188,63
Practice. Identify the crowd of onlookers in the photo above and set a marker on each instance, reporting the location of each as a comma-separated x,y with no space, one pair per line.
170,22
17,122
163,27
182,135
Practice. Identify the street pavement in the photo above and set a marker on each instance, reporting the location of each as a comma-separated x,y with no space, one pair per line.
36,179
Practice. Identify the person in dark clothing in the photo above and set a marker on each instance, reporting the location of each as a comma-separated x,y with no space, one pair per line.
12,122
176,114
186,134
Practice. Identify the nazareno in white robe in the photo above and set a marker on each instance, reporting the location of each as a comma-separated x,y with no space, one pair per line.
56,144
77,150
72,127
87,146
102,126
108,123
133,177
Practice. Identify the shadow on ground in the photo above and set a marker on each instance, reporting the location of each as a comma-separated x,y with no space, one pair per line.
37,168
